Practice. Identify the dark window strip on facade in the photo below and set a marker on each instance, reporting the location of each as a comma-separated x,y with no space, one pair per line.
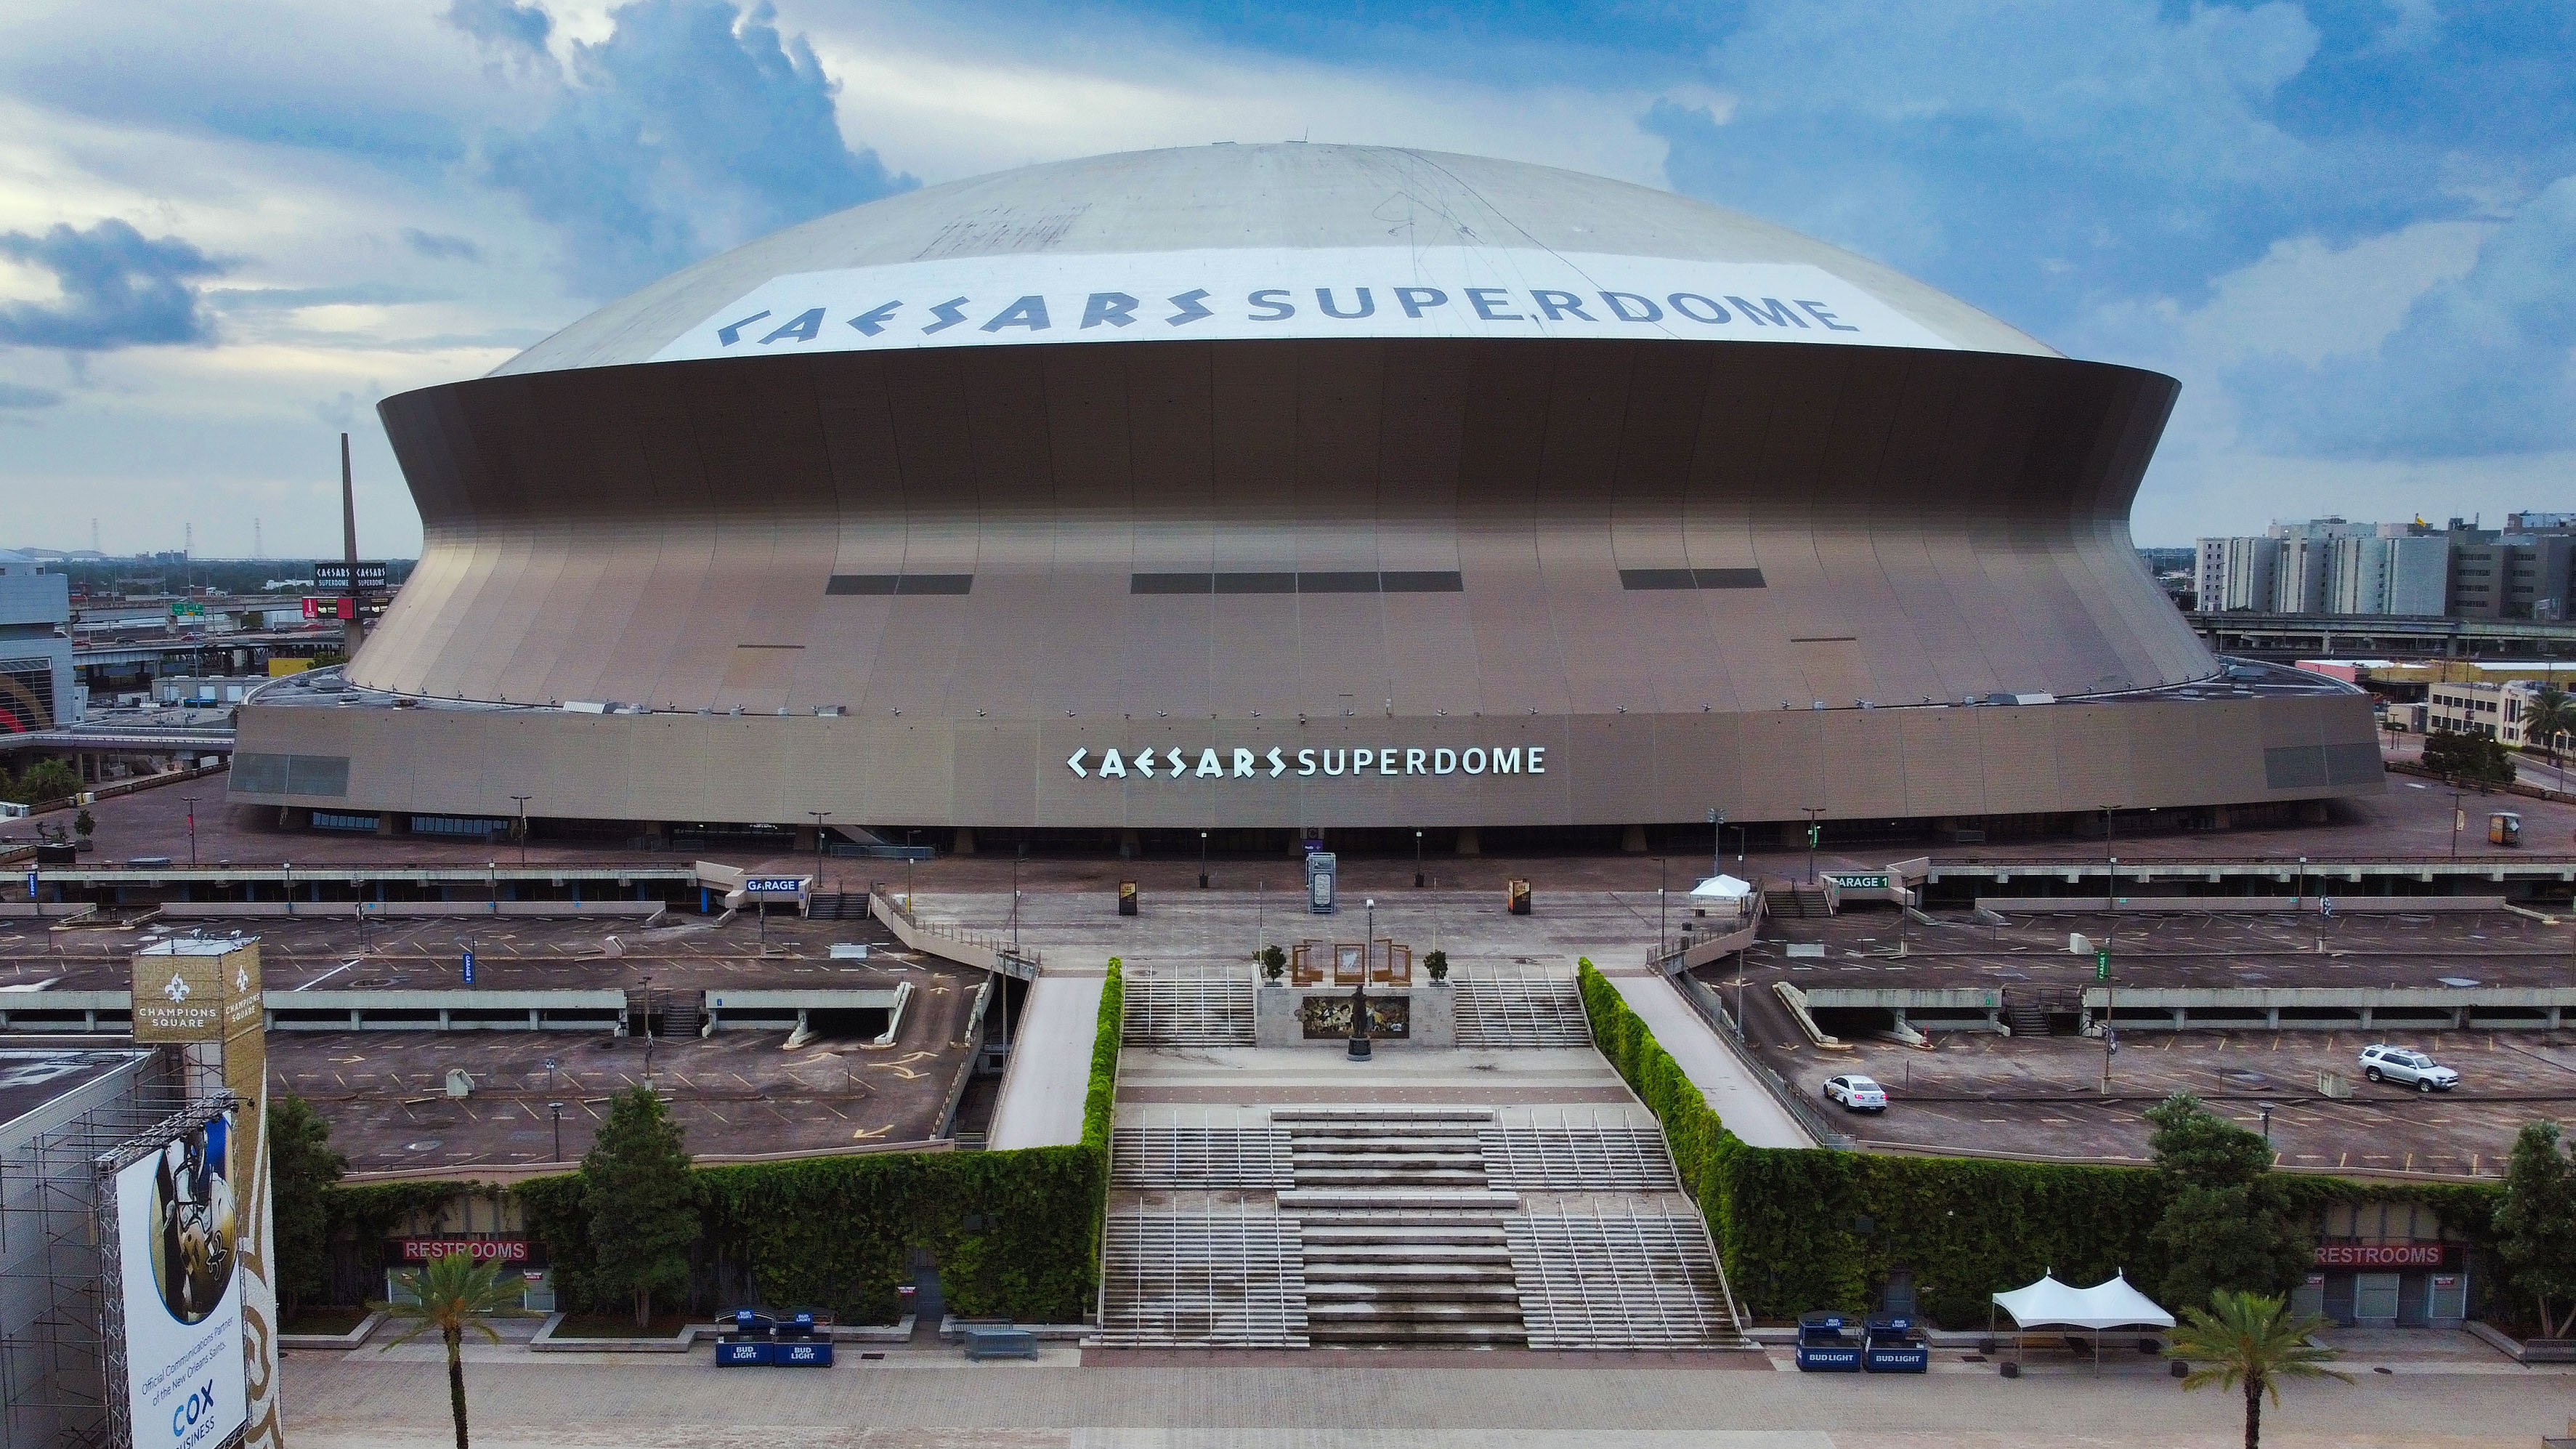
900,584
1690,579
1393,581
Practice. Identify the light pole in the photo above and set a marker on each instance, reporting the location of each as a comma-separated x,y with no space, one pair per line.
648,1028
2456,797
1813,830
1663,911
1203,885
1716,842
523,827
192,827
1015,907
2302,887
557,1109
1359,1040
1417,860
818,844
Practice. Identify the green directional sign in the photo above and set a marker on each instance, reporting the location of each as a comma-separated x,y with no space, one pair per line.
2102,965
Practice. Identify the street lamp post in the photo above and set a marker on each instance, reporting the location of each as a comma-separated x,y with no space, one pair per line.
1813,830
523,827
192,827
1716,841
1203,885
557,1109
648,1028
1359,1040
1417,860
819,816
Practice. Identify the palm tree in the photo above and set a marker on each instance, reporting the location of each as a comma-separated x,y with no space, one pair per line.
2549,713
2249,1340
451,1294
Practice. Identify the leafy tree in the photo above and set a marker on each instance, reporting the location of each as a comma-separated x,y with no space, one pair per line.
302,1168
1437,964
2536,1226
2250,1341
44,780
2467,757
2228,1223
451,1294
2548,714
642,1200
1273,961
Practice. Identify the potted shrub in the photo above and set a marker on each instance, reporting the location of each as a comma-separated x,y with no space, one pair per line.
1437,963
83,825
1273,963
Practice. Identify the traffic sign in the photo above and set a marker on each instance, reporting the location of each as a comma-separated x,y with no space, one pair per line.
469,966
2102,964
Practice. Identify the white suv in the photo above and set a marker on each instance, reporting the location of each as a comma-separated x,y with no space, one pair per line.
2406,1068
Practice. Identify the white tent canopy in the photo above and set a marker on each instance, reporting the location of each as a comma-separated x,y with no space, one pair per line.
2109,1304
1722,888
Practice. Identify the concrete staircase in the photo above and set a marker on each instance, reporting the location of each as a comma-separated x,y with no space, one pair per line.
1798,902
1404,1242
1211,1008
836,906
1533,1010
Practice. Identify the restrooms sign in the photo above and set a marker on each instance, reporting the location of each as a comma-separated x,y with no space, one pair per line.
1240,294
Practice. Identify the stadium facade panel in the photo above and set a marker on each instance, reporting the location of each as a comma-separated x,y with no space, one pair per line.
1036,502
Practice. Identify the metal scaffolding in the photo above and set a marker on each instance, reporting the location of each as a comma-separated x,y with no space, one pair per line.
55,1338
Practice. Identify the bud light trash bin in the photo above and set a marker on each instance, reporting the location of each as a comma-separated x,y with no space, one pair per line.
1892,1345
1823,1347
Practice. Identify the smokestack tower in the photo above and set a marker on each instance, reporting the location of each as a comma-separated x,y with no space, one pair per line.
354,631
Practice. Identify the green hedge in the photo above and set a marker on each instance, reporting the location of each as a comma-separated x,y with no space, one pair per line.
1788,1221
1016,1234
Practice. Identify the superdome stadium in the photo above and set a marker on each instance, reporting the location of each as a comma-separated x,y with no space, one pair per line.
1286,489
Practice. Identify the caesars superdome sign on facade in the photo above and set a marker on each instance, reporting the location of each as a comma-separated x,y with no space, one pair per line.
1279,488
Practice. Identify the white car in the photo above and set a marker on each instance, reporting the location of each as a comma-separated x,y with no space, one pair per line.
2405,1067
1856,1093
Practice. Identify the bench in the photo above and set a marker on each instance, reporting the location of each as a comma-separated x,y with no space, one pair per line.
1000,1342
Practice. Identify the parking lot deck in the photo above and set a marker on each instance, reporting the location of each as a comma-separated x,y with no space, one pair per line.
2043,1096
737,1094
418,953
2170,948
1983,1094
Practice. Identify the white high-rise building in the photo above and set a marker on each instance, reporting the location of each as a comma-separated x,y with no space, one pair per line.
2419,575
2236,573
2301,575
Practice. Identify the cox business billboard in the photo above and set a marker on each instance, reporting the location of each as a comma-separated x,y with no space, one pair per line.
175,1218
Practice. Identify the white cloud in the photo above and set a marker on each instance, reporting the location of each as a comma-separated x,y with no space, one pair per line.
948,113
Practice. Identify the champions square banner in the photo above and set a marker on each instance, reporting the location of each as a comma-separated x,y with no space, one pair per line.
1237,294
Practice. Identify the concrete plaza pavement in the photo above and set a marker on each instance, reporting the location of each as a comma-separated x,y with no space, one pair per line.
933,1399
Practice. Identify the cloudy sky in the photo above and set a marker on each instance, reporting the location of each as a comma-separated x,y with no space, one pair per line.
228,227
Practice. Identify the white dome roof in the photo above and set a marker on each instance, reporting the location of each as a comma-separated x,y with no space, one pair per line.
1211,222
